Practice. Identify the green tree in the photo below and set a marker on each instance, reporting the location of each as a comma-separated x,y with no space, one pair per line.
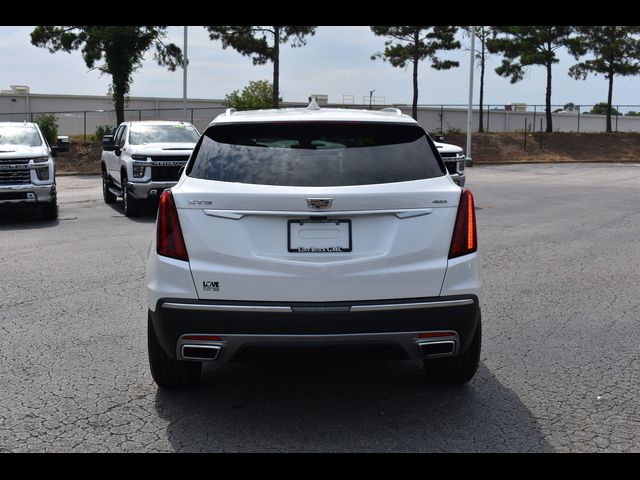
262,43
49,127
411,44
632,113
568,107
483,34
121,47
258,94
616,51
524,46
603,108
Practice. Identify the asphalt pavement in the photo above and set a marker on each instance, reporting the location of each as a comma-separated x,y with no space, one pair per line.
560,363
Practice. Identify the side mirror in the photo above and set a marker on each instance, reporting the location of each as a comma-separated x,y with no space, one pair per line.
107,143
63,143
117,151
54,151
439,138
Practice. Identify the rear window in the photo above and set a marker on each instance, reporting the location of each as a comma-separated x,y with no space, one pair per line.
315,154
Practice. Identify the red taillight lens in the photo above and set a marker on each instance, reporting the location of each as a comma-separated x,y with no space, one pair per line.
465,237
169,235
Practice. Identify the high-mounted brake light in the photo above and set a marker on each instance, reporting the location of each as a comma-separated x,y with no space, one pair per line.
465,236
170,242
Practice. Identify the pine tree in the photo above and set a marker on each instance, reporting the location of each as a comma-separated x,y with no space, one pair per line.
524,46
263,44
411,44
616,51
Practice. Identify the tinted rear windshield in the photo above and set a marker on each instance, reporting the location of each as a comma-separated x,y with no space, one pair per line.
178,133
315,154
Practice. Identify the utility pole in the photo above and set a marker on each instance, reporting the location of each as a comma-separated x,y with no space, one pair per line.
469,160
184,78
370,98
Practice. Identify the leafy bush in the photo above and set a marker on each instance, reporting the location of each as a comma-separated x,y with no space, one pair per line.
102,130
49,126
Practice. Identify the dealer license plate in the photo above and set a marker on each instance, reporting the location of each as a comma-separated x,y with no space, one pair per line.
319,236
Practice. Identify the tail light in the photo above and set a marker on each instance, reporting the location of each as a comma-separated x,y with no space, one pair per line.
170,242
465,237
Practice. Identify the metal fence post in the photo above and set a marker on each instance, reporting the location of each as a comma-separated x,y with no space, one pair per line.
488,114
617,111
540,134
139,114
525,134
578,119
441,117
535,107
191,116
84,114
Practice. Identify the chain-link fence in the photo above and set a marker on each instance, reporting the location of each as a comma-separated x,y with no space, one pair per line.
451,118
517,117
85,123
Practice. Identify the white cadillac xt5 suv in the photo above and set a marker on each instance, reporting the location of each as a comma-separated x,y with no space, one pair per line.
317,227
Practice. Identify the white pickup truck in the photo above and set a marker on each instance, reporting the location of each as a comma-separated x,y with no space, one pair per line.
144,158
453,158
27,169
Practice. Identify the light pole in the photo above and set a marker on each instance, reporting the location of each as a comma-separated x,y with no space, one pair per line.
472,51
184,78
370,98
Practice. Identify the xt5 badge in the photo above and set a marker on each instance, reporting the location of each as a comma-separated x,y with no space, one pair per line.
211,286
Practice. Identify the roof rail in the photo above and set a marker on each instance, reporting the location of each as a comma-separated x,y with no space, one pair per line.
397,111
230,111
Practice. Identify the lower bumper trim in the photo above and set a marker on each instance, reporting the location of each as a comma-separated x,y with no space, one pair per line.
239,325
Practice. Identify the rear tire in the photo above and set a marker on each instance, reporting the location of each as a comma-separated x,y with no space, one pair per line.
106,193
456,370
167,372
49,210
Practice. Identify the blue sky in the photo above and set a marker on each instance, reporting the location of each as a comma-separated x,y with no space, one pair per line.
336,62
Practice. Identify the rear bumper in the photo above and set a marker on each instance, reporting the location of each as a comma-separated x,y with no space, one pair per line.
396,323
26,194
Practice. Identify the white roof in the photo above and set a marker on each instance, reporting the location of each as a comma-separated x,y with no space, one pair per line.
14,124
156,122
321,114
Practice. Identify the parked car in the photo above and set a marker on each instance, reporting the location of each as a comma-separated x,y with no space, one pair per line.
27,169
454,160
314,227
144,158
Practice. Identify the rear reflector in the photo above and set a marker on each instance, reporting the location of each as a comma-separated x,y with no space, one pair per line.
206,338
169,240
436,334
465,237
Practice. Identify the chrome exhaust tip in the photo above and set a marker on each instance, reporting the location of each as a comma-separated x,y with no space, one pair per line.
200,352
439,348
